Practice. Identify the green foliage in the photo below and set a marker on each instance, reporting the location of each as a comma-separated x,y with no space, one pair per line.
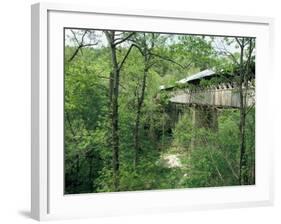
208,155
212,159
184,131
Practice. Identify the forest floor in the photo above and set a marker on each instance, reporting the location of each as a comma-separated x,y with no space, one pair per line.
172,156
172,160
176,160
174,166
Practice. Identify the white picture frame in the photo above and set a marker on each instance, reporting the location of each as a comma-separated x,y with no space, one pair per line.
47,198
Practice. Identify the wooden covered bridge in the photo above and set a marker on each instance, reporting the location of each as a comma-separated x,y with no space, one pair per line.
225,95
203,101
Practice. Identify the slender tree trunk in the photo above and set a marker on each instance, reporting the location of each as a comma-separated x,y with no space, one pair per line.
243,89
115,118
111,77
243,160
242,109
138,116
77,172
91,173
113,100
114,83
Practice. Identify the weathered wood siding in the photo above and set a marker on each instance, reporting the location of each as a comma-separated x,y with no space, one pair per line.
219,96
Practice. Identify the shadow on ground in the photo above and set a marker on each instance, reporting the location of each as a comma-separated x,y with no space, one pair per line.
25,213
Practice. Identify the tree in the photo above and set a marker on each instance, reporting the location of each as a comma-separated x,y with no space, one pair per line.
145,44
84,109
244,66
241,65
114,82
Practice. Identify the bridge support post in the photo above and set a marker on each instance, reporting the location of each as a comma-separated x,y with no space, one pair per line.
203,117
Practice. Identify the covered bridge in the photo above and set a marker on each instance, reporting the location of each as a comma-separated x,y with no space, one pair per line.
225,94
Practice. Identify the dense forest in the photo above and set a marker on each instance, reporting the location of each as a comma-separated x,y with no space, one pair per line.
123,133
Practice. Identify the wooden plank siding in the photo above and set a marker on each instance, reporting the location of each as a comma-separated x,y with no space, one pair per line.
220,96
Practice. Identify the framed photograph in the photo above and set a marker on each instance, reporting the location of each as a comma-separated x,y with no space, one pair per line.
139,111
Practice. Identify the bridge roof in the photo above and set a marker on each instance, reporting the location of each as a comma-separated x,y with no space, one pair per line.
197,76
193,78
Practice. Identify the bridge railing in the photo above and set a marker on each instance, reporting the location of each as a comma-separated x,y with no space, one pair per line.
221,95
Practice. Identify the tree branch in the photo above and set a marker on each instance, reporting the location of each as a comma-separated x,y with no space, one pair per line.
127,54
124,39
80,44
75,53
249,109
238,41
170,60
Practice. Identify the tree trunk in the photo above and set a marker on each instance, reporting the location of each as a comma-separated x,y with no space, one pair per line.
91,173
138,116
77,172
111,77
242,109
114,120
113,100
243,160
244,75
